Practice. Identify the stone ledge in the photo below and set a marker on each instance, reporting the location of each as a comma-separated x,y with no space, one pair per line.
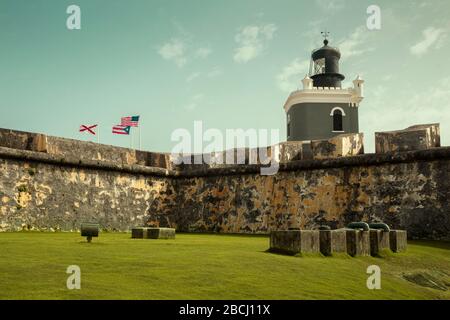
371,159
354,161
32,156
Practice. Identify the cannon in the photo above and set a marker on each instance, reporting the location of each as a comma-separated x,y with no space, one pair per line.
380,226
89,230
359,225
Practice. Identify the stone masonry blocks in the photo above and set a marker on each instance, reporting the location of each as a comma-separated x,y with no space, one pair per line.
139,233
420,137
344,145
160,233
398,240
379,240
152,233
358,243
295,241
333,241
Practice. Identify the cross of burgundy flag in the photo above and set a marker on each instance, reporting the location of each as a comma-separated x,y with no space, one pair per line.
89,129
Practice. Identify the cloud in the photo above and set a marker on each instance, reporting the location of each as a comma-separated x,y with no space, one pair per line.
194,102
203,53
252,40
432,38
356,44
174,50
182,50
193,76
291,75
215,72
330,4
405,110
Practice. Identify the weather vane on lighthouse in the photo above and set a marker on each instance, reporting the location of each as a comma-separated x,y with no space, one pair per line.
325,34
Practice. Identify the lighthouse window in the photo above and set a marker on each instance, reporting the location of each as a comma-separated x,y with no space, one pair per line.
319,66
337,120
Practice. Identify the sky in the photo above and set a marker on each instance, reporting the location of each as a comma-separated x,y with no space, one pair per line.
230,64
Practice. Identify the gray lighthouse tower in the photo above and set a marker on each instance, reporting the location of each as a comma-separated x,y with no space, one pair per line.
323,109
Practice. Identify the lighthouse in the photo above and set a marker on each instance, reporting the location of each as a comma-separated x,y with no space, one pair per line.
323,109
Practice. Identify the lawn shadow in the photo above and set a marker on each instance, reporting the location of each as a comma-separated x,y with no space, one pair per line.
285,253
94,243
431,243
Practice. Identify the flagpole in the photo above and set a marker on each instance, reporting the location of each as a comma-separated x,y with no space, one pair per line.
140,147
98,134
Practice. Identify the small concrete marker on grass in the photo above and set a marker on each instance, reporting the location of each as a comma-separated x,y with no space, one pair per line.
161,233
152,233
139,233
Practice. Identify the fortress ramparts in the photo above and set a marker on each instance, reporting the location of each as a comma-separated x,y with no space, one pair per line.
52,184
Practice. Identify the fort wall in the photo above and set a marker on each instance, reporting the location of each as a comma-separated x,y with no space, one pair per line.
50,188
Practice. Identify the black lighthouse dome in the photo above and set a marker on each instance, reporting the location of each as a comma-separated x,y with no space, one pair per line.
325,71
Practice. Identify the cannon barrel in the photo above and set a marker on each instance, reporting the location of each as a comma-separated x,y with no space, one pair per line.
380,226
89,230
359,225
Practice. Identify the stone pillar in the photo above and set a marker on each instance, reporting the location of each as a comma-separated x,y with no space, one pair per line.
333,241
379,240
398,240
358,243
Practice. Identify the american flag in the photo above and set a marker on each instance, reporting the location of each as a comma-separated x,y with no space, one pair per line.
130,121
119,129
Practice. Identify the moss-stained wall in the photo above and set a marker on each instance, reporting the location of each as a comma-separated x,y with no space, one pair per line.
407,190
40,196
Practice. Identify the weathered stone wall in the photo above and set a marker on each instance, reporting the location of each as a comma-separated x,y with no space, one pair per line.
42,192
407,190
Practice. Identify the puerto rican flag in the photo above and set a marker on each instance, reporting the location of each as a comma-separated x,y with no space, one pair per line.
119,129
130,121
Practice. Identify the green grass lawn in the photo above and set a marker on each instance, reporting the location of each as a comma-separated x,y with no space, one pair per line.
114,266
